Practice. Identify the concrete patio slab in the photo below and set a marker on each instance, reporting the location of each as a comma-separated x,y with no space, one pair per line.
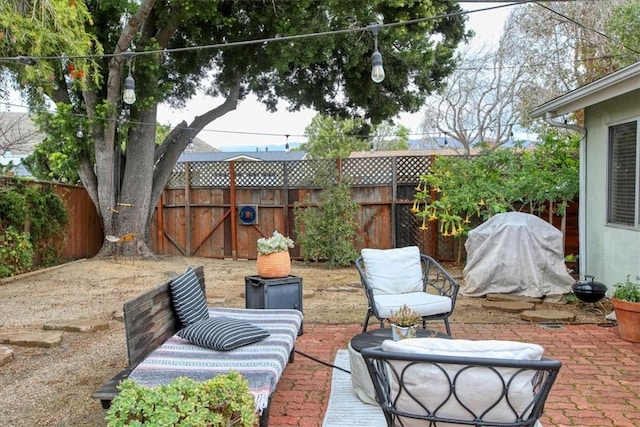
548,316
508,306
32,339
78,325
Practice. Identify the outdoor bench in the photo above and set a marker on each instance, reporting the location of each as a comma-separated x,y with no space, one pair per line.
157,355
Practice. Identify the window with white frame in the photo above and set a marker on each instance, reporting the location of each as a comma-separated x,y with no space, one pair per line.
624,175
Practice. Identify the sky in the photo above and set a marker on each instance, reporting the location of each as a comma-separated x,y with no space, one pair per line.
251,125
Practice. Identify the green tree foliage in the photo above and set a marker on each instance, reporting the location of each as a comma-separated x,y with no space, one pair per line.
125,167
33,222
328,230
40,29
624,26
389,137
16,252
457,189
334,137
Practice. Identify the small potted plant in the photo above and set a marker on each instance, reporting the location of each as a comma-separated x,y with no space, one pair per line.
626,304
403,323
273,256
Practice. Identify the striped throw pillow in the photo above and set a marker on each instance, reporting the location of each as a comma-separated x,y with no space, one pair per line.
222,333
188,298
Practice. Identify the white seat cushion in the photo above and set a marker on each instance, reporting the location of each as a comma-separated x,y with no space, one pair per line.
422,302
393,271
476,389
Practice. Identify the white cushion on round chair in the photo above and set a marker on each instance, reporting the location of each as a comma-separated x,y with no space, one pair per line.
476,388
393,271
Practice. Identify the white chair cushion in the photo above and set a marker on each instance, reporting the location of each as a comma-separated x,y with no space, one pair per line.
393,271
476,388
422,302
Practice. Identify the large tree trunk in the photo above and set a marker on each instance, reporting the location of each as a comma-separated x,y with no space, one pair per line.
146,169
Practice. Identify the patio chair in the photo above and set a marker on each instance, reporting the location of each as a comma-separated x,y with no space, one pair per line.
394,277
490,383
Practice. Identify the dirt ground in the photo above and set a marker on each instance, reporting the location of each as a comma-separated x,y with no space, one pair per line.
53,386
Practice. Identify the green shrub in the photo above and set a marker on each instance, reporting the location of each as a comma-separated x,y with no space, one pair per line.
38,211
13,207
329,231
219,402
16,252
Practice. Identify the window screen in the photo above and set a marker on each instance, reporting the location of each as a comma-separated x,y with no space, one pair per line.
623,174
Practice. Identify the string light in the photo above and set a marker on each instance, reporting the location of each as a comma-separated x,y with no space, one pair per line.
377,72
129,94
274,39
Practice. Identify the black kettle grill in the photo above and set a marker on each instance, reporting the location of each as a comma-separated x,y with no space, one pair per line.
588,290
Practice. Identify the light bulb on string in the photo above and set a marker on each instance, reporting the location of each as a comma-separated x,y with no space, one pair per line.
129,93
377,71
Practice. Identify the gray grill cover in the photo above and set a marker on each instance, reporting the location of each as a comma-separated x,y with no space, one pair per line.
516,253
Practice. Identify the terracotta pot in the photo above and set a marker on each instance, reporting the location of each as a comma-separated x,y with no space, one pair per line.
628,318
274,265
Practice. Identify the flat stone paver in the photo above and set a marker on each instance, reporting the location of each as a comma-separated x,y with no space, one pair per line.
32,339
216,301
508,306
82,325
510,297
6,355
548,316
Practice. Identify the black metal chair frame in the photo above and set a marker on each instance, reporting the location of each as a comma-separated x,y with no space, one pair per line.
438,282
379,363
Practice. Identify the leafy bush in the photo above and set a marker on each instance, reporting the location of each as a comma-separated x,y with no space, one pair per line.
16,252
39,212
221,401
329,231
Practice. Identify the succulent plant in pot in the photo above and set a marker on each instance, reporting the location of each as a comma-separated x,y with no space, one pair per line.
273,256
626,304
403,322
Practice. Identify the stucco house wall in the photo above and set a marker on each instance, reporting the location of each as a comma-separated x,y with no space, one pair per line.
608,252
611,251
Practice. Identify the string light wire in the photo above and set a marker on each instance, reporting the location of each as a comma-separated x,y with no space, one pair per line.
29,60
269,39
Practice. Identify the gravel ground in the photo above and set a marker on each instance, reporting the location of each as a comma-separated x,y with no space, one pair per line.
53,386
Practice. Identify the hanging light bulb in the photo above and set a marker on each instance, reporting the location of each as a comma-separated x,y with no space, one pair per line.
129,94
377,72
286,146
79,132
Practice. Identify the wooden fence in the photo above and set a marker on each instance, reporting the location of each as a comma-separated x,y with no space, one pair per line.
205,206
203,209
84,233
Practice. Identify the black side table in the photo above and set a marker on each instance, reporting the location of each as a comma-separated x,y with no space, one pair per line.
374,337
360,379
283,292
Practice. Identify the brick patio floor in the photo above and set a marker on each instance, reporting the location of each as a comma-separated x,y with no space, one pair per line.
598,385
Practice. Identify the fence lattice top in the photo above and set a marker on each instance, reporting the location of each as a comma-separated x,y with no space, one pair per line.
301,173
